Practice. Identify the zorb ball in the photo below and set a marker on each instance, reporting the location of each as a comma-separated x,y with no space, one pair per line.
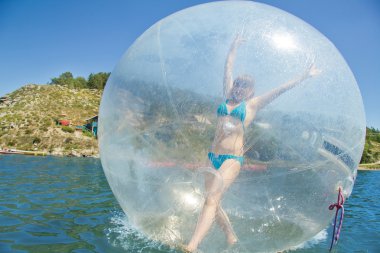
158,119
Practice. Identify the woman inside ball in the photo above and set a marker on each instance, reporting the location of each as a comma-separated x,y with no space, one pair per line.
227,150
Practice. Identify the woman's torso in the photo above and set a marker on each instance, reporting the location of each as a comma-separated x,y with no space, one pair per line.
229,134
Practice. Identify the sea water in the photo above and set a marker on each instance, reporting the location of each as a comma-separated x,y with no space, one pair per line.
50,204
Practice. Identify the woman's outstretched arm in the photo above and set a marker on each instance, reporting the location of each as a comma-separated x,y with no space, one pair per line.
267,98
228,67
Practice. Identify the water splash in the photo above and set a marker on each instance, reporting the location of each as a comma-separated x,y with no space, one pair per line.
122,234
317,239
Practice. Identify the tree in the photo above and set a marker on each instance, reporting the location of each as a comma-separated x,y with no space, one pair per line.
97,81
64,79
366,156
67,79
80,82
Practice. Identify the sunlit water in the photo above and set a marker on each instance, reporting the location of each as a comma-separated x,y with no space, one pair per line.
50,204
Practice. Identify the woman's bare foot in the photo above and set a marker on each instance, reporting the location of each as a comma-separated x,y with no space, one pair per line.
189,248
232,239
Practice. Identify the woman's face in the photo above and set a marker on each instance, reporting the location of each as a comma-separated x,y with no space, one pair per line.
238,94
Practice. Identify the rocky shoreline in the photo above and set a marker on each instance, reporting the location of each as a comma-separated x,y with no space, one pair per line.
75,153
369,169
30,120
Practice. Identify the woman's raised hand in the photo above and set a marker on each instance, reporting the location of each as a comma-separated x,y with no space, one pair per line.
239,39
313,70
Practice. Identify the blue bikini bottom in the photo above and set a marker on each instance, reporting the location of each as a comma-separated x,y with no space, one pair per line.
218,160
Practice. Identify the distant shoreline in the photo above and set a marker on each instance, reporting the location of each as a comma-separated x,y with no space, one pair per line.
367,169
73,153
98,157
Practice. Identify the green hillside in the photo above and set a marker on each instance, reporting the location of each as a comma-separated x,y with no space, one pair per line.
28,118
29,115
371,152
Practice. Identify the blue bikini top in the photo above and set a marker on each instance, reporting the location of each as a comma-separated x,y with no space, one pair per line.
238,112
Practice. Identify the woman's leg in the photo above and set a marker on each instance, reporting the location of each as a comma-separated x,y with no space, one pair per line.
221,216
224,222
228,171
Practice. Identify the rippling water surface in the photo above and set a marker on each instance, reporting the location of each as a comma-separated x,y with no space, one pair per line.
50,204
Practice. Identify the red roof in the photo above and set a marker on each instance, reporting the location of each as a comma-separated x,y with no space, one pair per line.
64,122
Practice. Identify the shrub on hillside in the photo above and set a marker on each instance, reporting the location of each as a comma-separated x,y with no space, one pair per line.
67,129
11,143
36,140
87,133
68,140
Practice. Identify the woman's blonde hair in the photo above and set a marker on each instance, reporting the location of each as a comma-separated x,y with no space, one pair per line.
244,81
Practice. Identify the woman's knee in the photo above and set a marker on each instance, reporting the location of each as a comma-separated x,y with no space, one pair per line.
212,201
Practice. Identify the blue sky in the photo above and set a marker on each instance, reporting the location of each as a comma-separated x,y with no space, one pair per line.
41,39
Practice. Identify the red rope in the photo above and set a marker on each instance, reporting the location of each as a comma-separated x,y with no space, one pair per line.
339,206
